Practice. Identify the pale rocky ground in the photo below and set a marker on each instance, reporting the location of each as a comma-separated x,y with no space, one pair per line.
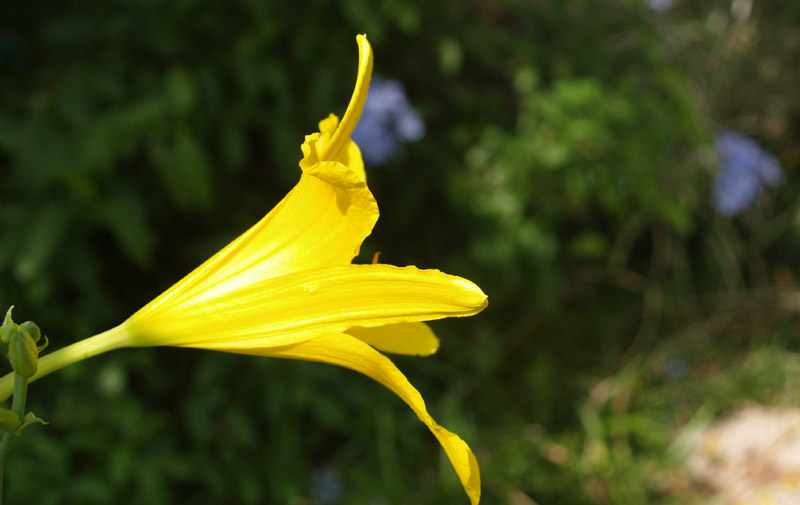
750,458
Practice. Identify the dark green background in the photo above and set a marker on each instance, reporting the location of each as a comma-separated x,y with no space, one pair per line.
566,169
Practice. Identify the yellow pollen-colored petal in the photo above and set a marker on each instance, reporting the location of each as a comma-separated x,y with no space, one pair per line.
290,308
415,339
349,352
321,222
351,156
353,112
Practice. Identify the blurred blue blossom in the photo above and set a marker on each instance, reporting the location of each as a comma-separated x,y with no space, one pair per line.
387,122
676,368
746,168
325,486
660,5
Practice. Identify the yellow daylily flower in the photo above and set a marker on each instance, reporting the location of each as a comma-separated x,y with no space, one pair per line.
286,288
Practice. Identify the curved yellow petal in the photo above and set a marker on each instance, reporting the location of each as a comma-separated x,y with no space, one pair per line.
349,352
301,232
349,155
321,222
295,307
416,339
356,105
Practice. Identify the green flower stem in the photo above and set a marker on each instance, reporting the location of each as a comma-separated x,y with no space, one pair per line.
20,397
114,338
18,407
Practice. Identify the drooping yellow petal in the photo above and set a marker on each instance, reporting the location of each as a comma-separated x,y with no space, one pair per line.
416,339
349,352
287,309
356,105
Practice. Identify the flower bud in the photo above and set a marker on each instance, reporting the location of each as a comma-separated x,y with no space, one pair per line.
9,421
23,354
6,331
32,329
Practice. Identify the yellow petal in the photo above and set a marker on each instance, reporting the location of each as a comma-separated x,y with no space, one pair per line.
415,339
302,231
346,351
321,222
295,307
351,156
356,105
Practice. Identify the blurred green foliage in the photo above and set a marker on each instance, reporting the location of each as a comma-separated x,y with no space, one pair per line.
566,170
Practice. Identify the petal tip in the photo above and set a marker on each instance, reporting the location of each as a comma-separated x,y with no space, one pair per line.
356,105
479,300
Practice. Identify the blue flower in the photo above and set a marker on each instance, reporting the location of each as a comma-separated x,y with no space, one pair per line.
746,168
388,121
676,368
660,5
326,486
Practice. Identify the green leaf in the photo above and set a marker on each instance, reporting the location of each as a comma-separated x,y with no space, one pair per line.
28,420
